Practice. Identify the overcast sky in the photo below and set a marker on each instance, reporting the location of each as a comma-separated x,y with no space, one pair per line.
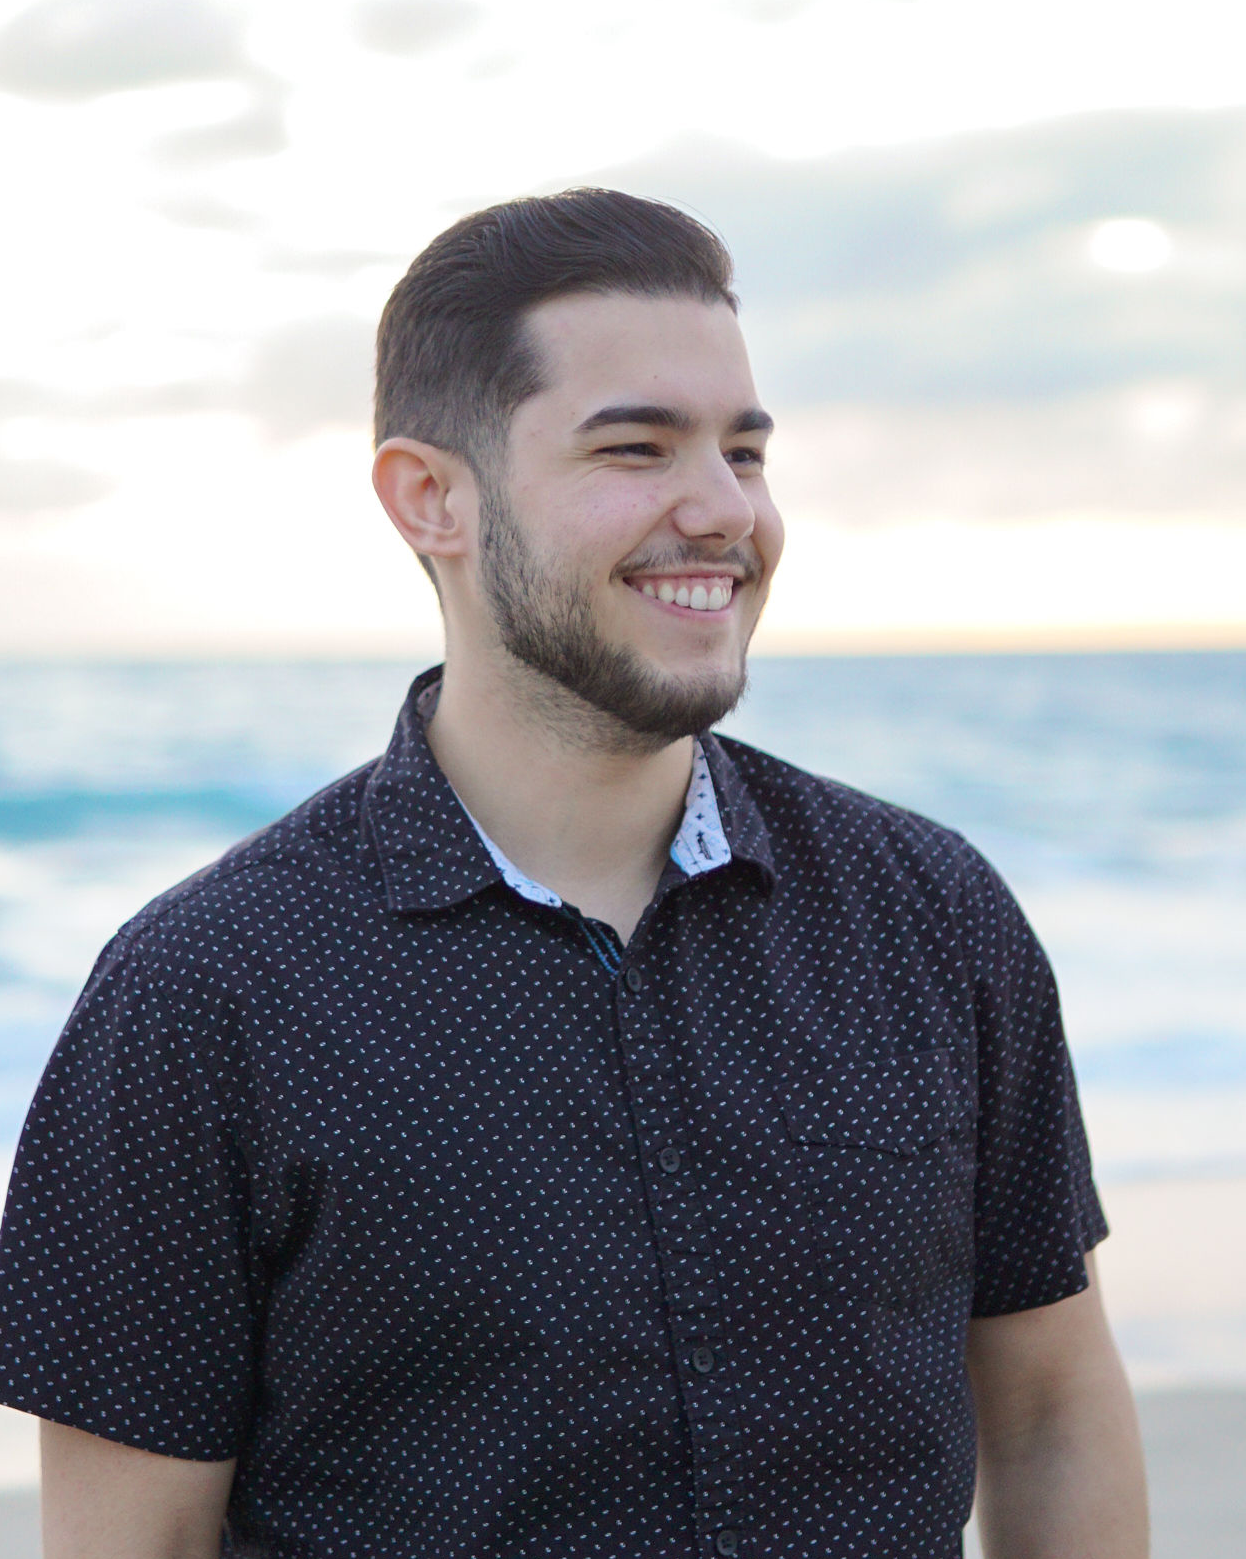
993,263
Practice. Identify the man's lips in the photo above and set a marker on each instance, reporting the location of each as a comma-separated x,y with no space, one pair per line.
696,592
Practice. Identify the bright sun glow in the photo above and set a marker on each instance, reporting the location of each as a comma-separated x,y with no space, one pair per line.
1130,244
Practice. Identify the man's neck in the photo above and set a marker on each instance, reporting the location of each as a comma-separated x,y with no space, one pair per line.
588,820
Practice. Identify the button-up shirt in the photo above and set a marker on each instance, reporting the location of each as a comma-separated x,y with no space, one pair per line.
360,1165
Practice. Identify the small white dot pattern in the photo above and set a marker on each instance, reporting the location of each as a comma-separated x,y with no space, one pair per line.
359,1166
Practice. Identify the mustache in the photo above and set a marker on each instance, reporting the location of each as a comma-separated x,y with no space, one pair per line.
744,562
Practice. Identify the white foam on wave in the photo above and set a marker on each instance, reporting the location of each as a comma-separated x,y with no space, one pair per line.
61,900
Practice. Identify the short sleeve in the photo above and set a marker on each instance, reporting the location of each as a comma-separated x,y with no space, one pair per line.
125,1307
1036,1209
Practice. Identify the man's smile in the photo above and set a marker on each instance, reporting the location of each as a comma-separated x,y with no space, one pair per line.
694,592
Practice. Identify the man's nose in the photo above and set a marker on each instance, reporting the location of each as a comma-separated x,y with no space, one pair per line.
712,503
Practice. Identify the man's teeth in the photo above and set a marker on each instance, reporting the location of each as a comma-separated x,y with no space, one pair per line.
698,598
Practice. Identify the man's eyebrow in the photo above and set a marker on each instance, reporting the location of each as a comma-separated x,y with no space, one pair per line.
754,420
639,416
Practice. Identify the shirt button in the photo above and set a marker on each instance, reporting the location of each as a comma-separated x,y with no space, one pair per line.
727,1543
703,1363
669,1160
633,979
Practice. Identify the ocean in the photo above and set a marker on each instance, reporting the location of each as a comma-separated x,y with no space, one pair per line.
1109,789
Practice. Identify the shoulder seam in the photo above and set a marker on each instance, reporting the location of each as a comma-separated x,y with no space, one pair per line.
192,887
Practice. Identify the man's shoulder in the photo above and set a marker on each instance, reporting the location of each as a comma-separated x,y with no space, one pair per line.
812,818
284,866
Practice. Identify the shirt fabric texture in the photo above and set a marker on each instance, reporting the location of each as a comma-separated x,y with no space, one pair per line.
356,1163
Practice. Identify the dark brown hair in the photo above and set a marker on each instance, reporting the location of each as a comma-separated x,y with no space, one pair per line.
453,360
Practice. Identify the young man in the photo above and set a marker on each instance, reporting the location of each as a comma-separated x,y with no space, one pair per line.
572,1135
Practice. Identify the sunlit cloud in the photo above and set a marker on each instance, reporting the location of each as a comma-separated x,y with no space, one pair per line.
1130,244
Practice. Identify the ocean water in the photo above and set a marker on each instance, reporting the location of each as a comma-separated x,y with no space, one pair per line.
1109,789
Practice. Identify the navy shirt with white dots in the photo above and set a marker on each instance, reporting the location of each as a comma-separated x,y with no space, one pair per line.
471,1233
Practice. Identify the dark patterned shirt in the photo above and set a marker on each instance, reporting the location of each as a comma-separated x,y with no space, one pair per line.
361,1166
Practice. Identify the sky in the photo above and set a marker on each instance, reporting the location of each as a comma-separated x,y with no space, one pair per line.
992,262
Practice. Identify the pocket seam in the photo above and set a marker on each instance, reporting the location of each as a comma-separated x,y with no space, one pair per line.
942,1090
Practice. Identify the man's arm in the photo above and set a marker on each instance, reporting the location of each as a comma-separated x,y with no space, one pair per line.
1060,1458
107,1501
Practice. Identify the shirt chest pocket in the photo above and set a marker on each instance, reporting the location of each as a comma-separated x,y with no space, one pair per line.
888,1151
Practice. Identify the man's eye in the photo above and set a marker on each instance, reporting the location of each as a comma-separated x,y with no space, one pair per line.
746,457
630,449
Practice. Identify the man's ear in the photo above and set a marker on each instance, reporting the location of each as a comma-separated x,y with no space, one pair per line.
428,493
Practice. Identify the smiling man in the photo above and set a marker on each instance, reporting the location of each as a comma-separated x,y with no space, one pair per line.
573,1135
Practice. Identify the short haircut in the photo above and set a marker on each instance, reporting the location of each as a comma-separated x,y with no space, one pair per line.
453,359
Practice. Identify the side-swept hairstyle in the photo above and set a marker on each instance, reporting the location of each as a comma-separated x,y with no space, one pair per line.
453,360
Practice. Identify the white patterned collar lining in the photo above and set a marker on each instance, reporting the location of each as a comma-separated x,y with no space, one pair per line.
699,846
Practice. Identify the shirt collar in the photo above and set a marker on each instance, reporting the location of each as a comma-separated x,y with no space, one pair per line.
699,846
432,854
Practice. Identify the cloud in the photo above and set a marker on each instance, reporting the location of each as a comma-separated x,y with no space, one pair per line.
80,49
958,270
30,486
1161,448
763,11
204,211
411,26
21,398
297,379
259,131
333,264
311,374
25,398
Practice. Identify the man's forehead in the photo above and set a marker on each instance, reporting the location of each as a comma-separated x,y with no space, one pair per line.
627,348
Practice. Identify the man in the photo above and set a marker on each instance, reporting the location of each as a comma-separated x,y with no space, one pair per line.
573,1134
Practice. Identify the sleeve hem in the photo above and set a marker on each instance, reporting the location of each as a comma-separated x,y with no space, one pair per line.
138,1438
1075,1283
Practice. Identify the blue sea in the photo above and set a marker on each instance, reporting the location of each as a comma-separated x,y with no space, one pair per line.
1109,789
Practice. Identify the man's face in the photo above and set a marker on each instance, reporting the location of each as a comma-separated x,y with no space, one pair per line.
627,552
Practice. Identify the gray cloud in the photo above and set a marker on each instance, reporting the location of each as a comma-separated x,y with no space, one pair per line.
31,486
314,373
411,26
20,398
298,378
1161,448
956,271
259,131
79,49
204,211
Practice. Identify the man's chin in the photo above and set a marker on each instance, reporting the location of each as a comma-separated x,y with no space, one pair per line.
663,707
611,694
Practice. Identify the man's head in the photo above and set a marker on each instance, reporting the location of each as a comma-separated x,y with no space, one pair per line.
454,356
568,431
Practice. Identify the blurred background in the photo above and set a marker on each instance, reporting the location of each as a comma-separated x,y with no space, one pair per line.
993,268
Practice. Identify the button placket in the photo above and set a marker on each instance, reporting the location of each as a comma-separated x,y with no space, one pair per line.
689,1275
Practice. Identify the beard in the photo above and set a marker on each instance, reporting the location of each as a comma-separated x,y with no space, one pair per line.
546,622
